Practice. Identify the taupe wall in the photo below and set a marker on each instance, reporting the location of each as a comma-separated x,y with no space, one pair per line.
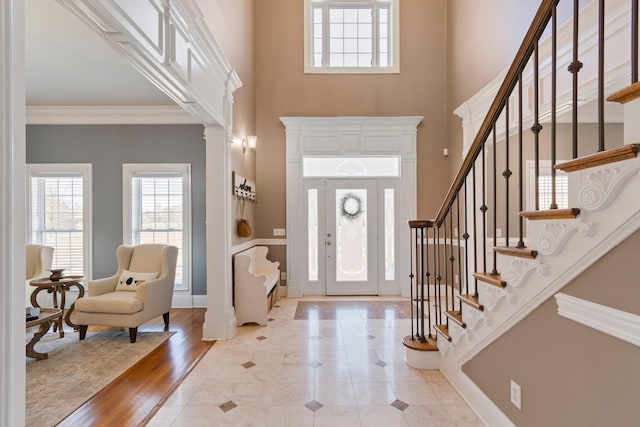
570,374
233,26
284,90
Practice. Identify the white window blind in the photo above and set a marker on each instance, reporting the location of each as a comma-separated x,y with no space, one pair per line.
157,210
544,186
59,214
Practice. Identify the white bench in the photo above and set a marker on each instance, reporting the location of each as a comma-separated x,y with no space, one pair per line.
256,281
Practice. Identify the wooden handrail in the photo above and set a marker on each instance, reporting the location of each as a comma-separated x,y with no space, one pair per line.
540,21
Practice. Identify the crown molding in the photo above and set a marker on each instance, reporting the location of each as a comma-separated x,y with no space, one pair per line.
91,115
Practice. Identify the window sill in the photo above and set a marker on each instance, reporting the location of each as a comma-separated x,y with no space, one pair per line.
351,70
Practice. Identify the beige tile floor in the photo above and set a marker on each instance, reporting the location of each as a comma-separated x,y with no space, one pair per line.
348,371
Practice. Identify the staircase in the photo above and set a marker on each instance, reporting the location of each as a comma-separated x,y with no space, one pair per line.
469,289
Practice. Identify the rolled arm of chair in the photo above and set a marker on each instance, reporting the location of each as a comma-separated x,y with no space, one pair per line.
102,286
156,295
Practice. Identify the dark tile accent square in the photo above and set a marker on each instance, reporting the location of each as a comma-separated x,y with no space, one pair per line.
314,405
381,363
314,364
227,406
371,337
270,319
248,365
399,404
276,306
261,338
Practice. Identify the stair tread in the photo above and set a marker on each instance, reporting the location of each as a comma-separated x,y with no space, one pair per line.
430,345
456,317
444,331
597,159
627,94
519,252
570,213
492,279
471,301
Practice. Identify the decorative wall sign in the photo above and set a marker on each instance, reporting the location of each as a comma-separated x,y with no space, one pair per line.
244,188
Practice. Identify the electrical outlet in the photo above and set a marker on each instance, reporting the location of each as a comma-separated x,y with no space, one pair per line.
456,279
283,275
516,395
279,232
498,232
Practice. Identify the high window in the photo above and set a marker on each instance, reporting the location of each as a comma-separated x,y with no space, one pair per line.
157,209
351,36
59,213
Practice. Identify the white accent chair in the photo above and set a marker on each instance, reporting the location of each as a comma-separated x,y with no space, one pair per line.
107,306
38,261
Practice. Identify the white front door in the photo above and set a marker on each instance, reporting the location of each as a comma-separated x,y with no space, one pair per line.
351,237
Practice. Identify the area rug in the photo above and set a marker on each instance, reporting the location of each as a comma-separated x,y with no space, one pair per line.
76,370
327,310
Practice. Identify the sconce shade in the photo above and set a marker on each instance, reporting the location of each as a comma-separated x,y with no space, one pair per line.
252,140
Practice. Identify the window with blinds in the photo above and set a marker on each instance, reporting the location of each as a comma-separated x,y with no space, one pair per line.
59,214
544,186
157,210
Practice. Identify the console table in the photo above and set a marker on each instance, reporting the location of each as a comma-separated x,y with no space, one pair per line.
56,287
47,316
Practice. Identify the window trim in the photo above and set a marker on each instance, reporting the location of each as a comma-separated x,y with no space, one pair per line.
394,55
67,170
131,170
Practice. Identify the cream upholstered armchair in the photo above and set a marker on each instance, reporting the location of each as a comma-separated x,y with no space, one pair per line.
141,290
38,262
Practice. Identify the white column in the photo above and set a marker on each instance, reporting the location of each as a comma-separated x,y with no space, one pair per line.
12,213
220,319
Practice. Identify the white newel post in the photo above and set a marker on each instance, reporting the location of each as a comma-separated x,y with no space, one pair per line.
220,319
12,213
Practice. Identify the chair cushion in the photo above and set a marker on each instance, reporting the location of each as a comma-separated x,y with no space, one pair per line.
119,302
129,279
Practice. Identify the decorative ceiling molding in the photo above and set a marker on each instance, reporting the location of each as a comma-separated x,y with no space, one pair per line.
170,44
89,115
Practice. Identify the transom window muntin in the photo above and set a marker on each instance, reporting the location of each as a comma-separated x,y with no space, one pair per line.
357,36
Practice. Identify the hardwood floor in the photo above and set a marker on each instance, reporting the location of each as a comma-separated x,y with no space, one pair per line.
136,395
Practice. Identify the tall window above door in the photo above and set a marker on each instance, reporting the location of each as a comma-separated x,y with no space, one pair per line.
59,213
157,209
351,36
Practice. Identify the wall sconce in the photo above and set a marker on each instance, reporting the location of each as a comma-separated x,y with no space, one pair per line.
249,142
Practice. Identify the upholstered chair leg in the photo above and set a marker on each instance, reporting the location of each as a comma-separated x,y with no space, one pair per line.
133,332
165,316
83,331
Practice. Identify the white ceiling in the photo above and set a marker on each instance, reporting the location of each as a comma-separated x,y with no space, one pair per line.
67,64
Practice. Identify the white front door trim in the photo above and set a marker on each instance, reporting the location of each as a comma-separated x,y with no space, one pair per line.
342,136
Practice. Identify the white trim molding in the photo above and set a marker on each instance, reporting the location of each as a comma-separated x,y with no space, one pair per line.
611,321
116,115
170,44
256,242
345,136
12,212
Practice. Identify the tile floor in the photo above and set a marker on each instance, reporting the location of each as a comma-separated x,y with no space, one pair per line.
334,366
